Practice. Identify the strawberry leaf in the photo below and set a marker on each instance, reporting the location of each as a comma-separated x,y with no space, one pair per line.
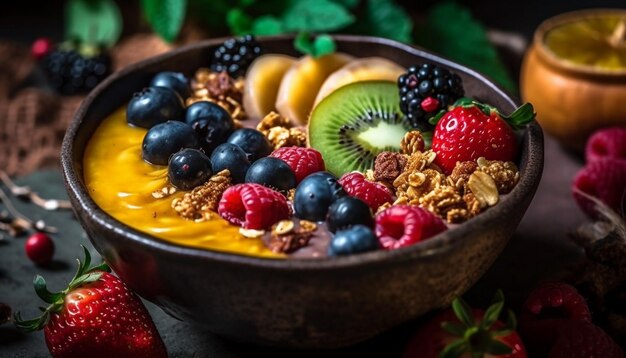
463,312
43,293
454,349
492,314
165,16
498,348
521,116
454,329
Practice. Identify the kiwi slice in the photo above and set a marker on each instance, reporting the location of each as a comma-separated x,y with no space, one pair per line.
355,123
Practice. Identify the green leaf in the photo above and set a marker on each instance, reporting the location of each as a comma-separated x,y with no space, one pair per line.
266,25
303,43
350,4
463,312
385,18
452,31
93,21
238,21
523,115
497,348
165,16
316,47
492,314
42,291
316,16
455,329
454,349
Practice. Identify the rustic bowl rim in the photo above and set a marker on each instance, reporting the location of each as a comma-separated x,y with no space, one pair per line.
532,162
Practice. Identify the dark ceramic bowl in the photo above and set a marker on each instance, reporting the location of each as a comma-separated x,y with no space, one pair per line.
323,303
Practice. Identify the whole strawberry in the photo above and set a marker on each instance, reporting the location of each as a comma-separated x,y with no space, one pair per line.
465,332
95,316
472,130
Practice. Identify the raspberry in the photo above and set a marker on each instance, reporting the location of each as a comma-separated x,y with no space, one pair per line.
547,310
582,340
404,225
253,206
605,179
425,90
235,55
373,194
303,161
606,143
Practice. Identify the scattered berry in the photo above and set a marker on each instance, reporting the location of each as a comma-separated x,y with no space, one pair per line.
348,211
165,139
273,173
547,310
580,339
231,157
373,194
303,161
212,124
606,143
353,240
425,90
41,47
252,142
69,72
235,55
470,332
189,168
466,133
175,81
604,179
154,105
39,248
97,315
314,195
253,206
403,225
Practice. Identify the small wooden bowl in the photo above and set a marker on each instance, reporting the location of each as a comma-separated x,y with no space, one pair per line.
322,303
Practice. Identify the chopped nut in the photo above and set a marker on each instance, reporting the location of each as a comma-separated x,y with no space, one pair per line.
473,204
460,175
484,188
412,142
290,242
164,192
457,215
251,233
271,120
306,225
201,203
219,88
441,200
369,175
388,166
505,174
283,227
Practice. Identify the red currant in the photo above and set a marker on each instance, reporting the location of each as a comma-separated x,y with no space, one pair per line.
39,248
41,47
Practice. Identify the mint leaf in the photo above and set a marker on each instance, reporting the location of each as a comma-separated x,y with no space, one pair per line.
316,16
316,47
387,19
238,22
267,25
165,16
452,31
350,4
94,22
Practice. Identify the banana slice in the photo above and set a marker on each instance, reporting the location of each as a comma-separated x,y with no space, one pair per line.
262,82
364,69
302,82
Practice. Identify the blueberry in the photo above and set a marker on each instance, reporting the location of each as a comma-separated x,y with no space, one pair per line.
189,168
348,211
231,157
314,195
173,80
165,139
252,142
272,172
154,105
358,238
212,123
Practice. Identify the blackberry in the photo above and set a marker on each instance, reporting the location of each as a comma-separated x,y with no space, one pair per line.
425,90
235,55
69,72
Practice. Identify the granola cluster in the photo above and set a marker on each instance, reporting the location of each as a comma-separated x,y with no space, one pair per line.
200,203
280,132
288,236
219,88
416,180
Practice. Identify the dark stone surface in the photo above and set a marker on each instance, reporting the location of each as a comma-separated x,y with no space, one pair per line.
539,251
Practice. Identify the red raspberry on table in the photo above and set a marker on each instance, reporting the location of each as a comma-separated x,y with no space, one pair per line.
547,310
604,179
303,161
373,194
606,143
253,206
579,339
404,225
